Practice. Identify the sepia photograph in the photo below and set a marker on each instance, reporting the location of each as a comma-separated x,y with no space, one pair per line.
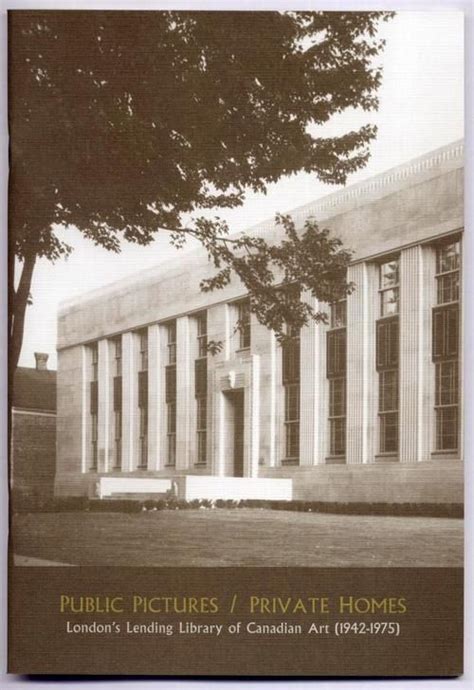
236,288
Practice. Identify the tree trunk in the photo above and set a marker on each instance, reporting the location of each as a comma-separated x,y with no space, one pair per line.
17,303
18,310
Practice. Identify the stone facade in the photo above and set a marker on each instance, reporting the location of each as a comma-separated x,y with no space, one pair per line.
374,414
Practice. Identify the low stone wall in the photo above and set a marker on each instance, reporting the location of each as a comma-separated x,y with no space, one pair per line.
108,486
439,481
192,488
85,483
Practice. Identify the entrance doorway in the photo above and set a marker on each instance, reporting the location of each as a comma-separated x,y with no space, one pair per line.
235,428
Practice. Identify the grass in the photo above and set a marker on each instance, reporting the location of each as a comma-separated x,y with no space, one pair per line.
245,537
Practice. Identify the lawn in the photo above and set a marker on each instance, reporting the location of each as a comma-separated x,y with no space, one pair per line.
247,537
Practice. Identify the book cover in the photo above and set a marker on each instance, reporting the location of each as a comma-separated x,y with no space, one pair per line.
236,329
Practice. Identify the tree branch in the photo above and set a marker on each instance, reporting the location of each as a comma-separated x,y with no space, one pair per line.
195,233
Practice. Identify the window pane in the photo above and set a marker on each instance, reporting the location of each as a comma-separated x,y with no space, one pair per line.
389,433
118,356
448,288
201,413
200,378
143,452
292,440
171,417
452,332
117,425
170,383
117,392
201,324
389,302
338,314
337,397
387,344
338,436
388,391
94,397
447,428
118,454
143,421
336,353
171,449
94,362
171,341
94,427
292,402
143,335
201,452
202,346
291,361
447,383
447,257
389,274
171,331
143,389
201,321
243,323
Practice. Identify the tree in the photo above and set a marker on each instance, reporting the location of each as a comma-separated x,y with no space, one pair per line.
125,124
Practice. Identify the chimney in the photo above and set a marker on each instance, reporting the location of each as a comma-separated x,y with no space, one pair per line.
41,361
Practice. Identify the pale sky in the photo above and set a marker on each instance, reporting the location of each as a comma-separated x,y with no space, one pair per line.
421,108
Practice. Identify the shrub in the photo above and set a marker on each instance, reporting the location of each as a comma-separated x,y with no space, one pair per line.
114,505
23,502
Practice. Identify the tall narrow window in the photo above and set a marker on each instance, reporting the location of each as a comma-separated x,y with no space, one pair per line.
170,394
94,406
291,386
387,350
201,322
117,345
389,288
200,391
336,374
446,346
243,324
143,400
171,341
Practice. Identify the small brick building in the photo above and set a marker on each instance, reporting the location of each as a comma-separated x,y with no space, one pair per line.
34,429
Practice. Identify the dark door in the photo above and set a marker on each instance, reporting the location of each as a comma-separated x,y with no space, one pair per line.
238,404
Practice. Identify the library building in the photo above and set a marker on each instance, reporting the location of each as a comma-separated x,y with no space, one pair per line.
367,408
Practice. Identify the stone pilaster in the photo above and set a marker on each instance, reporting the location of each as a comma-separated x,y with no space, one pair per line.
155,398
218,406
416,401
129,401
111,424
103,416
253,418
184,393
264,346
411,350
218,329
362,380
85,416
313,392
274,390
192,405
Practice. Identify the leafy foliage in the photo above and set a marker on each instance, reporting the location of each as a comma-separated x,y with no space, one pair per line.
275,275
125,124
